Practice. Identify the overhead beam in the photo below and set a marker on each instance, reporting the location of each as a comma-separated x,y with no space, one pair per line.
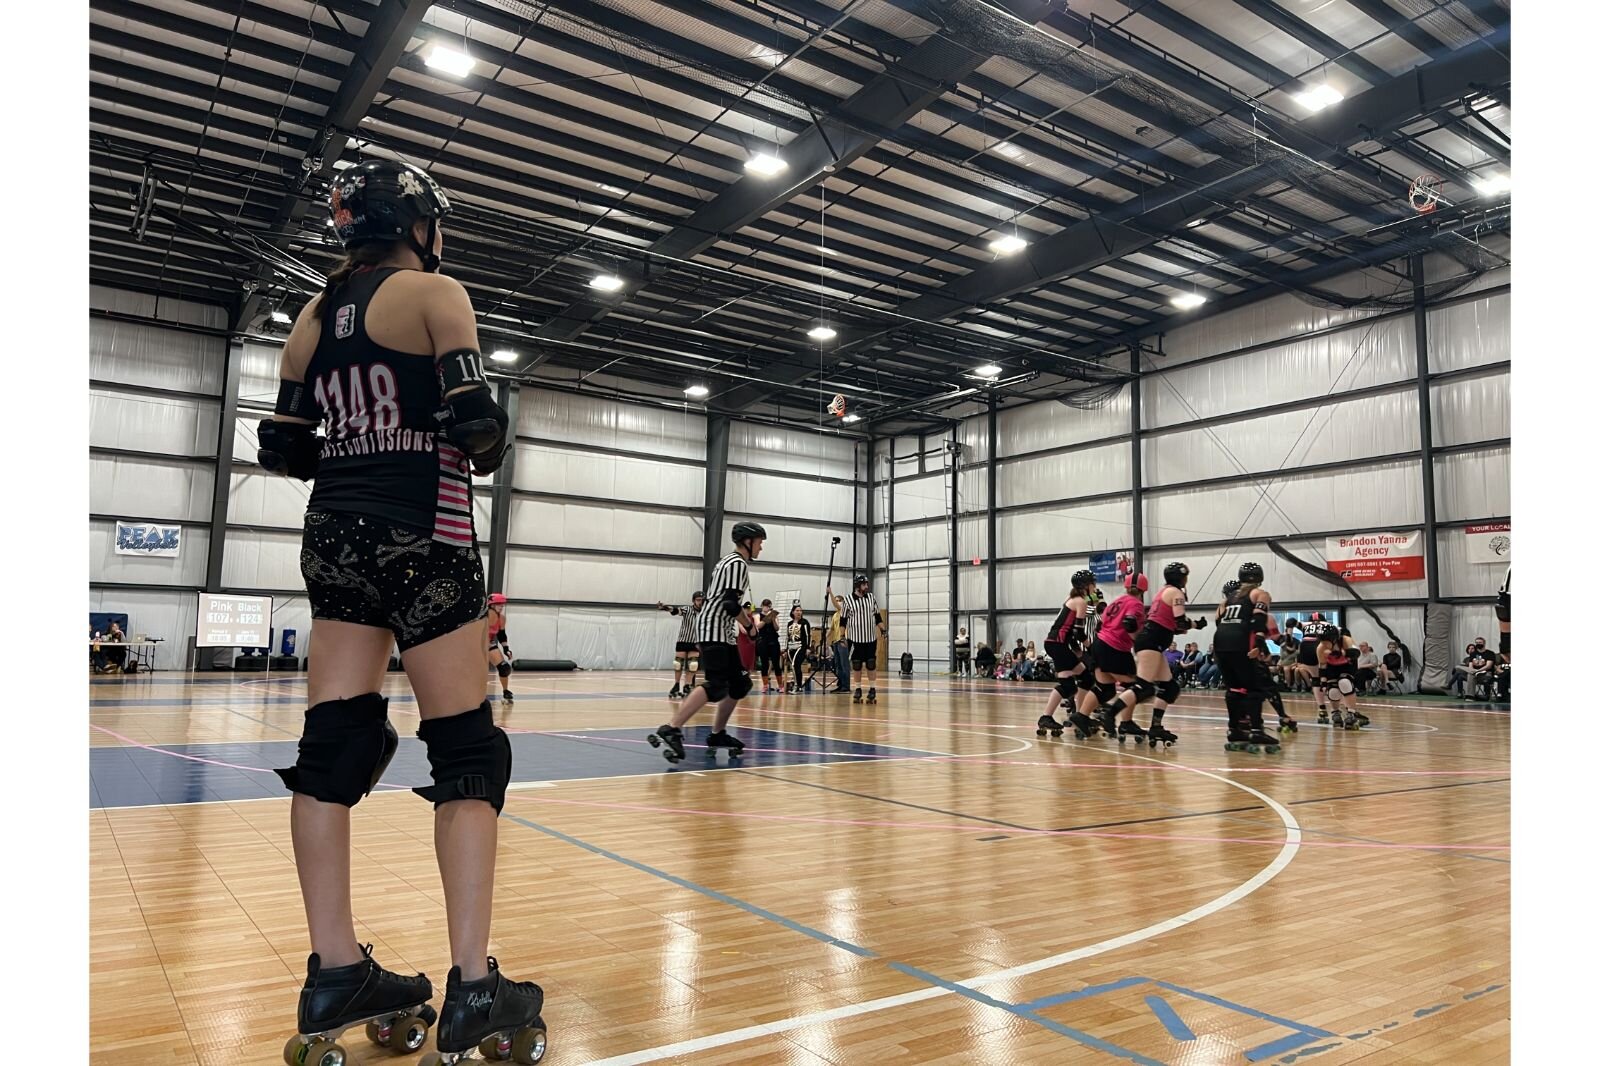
1100,241
870,115
388,33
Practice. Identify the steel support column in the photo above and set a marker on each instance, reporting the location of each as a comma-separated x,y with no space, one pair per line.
955,544
716,492
1430,532
872,451
1136,460
222,486
990,578
510,398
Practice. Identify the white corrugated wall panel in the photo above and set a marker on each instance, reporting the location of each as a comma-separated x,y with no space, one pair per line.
973,584
972,490
1084,527
924,496
1467,624
584,525
791,542
162,424
259,374
1459,575
973,435
168,615
259,498
769,494
572,473
262,560
1378,354
1041,584
1106,468
1036,426
594,638
601,579
149,488
1355,429
1470,333
768,580
136,354
1027,627
929,540
169,308
611,424
1475,484
1258,323
1468,410
189,568
972,538
775,448
1210,567
1374,496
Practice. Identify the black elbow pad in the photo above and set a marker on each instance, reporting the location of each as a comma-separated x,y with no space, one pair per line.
731,604
476,424
1130,624
288,448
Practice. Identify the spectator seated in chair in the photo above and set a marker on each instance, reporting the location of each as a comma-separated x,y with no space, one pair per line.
1392,670
110,660
1208,672
1466,677
1366,667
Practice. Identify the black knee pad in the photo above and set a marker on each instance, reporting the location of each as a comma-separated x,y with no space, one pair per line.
1066,687
716,689
739,687
1086,681
1105,692
470,757
344,749
504,669
1167,691
1143,691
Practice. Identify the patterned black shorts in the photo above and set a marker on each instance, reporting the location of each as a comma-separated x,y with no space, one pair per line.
365,571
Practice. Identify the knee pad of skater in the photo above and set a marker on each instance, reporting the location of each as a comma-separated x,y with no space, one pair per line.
694,665
1066,687
1143,691
1105,692
1346,687
1167,691
470,758
346,746
677,663
504,669
740,686
1086,681
716,689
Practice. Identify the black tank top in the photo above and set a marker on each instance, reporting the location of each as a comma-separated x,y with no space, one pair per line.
1061,628
383,456
1234,629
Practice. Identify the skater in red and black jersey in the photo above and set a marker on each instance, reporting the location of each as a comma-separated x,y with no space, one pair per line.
1336,659
1263,663
1112,653
1244,625
1154,681
1064,644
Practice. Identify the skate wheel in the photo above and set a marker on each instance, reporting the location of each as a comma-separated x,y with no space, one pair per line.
494,1048
314,1052
377,1035
1039,732
655,741
408,1036
529,1045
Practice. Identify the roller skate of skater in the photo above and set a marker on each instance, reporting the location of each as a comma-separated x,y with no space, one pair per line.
494,1015
863,624
393,1007
727,681
1153,682
1064,645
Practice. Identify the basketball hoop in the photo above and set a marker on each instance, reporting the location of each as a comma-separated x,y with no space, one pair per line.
1424,193
836,406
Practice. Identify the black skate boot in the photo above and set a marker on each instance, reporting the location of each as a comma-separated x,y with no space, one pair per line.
496,1015
1133,729
1254,741
669,738
724,739
1322,716
395,1008
507,695
1351,723
1160,734
1048,725
1287,724
1361,720
872,695
675,693
857,696
1108,721
1083,727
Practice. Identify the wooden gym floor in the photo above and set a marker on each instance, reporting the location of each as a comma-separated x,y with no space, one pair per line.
918,881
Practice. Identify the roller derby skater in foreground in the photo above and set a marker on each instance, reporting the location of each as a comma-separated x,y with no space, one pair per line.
499,644
686,652
727,679
1112,651
1153,680
1308,665
863,625
1244,624
1064,644
389,556
1286,724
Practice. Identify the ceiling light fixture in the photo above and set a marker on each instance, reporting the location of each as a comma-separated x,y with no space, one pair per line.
603,187
852,418
1493,185
765,164
504,355
605,282
988,370
822,333
449,60
697,392
281,317
1007,245
1318,98
1187,301
1009,150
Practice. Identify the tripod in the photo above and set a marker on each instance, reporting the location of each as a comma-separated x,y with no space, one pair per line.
826,666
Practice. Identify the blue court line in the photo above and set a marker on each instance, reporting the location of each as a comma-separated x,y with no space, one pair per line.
1055,1027
709,893
1279,1046
1169,1018
1240,1008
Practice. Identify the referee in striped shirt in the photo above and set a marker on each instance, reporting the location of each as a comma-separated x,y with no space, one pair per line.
726,680
863,622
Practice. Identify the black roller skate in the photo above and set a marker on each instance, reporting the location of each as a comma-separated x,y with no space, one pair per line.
1133,729
1361,720
670,739
1287,724
723,739
1108,721
1322,716
1351,722
507,695
857,698
1160,734
676,693
872,695
1083,727
1254,742
496,1015
394,1007
1049,725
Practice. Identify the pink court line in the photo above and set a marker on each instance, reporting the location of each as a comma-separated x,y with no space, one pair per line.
1001,830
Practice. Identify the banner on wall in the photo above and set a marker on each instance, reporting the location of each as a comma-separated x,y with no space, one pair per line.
139,538
1489,543
1377,557
1110,567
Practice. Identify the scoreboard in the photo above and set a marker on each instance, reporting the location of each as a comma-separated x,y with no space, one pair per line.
225,621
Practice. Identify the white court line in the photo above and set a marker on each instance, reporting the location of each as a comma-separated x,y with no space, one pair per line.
1291,845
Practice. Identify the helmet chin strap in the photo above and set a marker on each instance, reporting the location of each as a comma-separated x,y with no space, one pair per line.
430,261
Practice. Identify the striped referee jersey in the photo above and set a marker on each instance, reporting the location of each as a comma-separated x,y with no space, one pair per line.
689,614
861,618
716,626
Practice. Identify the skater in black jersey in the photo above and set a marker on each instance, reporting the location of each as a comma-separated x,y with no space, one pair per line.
769,647
686,652
727,679
1064,644
385,361
1336,658
1244,625
1154,681
1264,663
